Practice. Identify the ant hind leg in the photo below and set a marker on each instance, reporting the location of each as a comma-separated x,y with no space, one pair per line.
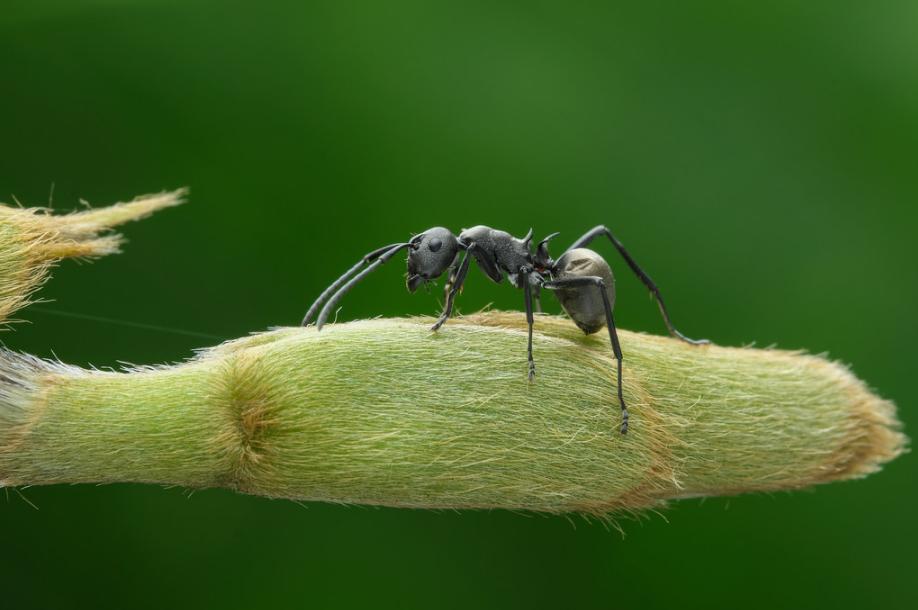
595,232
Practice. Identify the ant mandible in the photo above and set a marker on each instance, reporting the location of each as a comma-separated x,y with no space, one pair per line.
581,279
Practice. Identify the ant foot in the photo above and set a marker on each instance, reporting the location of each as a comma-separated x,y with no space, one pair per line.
624,426
689,340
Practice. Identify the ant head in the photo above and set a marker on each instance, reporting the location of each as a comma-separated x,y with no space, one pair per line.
429,255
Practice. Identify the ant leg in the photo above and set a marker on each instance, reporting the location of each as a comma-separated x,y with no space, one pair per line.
454,289
610,325
369,258
537,297
330,305
451,277
602,230
450,280
527,292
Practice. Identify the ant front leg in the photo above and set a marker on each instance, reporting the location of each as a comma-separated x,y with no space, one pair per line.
451,280
455,285
600,285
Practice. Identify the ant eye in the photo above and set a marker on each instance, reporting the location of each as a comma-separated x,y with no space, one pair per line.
434,244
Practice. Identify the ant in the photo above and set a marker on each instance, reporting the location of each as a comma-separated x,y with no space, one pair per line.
581,279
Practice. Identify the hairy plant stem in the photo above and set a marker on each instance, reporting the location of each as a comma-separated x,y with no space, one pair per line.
32,240
386,412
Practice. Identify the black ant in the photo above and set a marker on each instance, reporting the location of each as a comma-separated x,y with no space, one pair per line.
581,279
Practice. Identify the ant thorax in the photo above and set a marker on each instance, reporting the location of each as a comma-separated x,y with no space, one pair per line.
506,253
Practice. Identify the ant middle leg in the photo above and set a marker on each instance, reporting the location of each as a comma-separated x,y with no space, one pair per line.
527,292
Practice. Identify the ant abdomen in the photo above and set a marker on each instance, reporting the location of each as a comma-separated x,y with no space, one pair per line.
585,307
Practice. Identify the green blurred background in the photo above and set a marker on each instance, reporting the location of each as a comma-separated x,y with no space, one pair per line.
759,159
